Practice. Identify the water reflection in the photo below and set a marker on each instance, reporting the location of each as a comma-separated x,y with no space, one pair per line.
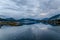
54,21
30,32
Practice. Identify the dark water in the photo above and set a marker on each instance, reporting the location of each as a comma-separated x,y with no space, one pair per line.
30,32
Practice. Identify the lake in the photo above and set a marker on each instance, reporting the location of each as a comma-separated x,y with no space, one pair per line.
30,32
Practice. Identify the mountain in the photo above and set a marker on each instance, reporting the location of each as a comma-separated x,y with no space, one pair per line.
2,19
44,21
28,21
10,19
55,17
20,22
7,19
54,20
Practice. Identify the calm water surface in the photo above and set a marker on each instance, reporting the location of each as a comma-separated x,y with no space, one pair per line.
30,32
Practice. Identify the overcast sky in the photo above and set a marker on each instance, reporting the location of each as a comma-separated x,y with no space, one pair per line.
29,8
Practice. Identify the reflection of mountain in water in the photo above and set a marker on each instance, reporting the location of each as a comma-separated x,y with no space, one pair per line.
55,20
29,21
20,22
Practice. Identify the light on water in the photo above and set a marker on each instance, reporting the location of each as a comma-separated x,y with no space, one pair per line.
35,30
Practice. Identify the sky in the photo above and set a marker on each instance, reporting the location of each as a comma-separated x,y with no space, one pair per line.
29,8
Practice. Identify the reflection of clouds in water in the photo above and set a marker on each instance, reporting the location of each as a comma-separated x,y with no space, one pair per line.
35,31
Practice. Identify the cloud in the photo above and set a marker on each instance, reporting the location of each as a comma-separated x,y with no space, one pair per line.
29,8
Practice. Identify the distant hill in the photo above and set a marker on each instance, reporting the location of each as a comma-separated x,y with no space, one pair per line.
23,21
55,17
10,19
7,19
1,19
54,20
28,21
